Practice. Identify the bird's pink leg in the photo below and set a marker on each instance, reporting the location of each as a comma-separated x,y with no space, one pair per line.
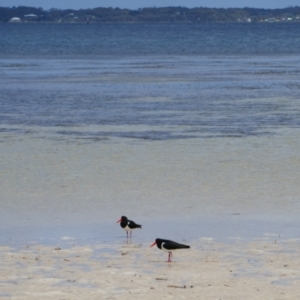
169,257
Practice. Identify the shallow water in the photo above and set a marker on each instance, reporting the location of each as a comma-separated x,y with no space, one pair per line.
80,150
86,139
152,99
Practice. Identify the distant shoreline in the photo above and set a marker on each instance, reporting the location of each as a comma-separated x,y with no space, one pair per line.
160,22
23,14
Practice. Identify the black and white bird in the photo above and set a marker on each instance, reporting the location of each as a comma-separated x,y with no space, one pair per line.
128,225
168,246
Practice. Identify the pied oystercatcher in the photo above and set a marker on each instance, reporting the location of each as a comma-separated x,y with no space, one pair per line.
169,246
128,225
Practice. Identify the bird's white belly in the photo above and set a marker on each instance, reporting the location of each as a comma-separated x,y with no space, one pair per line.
127,228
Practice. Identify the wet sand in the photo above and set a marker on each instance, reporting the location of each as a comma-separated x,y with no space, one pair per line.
46,178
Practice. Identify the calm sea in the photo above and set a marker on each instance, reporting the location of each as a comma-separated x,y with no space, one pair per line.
123,40
154,120
174,80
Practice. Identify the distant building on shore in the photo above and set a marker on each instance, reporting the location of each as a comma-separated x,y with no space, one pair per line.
15,20
30,17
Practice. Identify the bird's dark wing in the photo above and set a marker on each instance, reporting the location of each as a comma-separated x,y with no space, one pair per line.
133,225
170,245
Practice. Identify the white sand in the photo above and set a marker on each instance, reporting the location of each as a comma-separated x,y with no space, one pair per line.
260,269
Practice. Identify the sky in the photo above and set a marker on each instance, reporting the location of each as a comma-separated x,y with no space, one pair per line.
135,4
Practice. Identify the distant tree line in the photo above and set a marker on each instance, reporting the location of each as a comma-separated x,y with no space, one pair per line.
151,14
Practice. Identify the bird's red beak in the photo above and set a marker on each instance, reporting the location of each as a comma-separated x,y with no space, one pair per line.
119,220
153,244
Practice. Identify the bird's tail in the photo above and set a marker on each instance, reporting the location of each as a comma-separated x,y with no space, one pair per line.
139,226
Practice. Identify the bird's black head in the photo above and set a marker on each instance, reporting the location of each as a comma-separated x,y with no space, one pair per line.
158,243
123,220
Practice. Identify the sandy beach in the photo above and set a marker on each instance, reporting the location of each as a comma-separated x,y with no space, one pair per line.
261,269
